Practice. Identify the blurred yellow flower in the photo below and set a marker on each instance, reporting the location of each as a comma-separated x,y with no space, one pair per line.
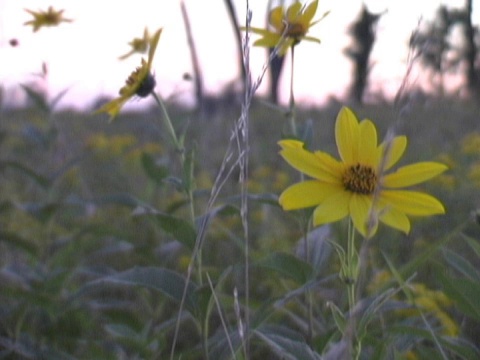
471,144
140,82
46,18
357,186
290,26
138,45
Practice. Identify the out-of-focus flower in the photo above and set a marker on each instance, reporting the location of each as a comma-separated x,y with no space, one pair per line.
290,26
141,82
46,18
471,144
138,45
358,185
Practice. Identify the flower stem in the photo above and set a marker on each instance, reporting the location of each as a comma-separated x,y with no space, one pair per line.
291,103
168,123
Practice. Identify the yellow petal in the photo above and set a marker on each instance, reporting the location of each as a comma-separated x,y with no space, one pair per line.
360,206
368,144
413,174
113,107
310,38
305,194
412,202
347,135
276,18
269,40
293,12
310,11
392,151
290,143
153,47
395,219
319,166
334,208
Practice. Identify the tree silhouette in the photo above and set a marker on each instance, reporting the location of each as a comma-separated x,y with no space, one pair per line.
442,53
363,33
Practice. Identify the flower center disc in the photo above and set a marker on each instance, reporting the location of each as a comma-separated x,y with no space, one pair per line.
295,31
360,179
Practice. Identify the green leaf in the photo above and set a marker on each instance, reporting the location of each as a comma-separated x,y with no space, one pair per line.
288,266
465,293
338,317
168,282
154,171
180,229
38,98
286,343
461,265
18,242
456,345
41,180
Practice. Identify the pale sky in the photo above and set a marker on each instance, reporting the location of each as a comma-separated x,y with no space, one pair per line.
83,55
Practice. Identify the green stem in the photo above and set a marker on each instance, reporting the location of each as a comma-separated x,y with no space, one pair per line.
168,123
291,103
187,173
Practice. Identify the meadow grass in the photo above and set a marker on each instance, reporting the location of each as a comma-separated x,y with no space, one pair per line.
163,234
93,251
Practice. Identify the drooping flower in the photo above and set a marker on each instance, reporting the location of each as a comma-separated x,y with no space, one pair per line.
46,18
141,82
138,45
290,26
359,185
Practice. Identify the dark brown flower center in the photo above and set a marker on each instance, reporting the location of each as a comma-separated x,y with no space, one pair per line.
295,30
360,179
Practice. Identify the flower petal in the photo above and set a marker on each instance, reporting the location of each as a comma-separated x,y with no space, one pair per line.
276,18
412,202
347,135
269,40
334,208
360,206
306,194
413,174
293,12
319,165
153,47
395,219
310,11
368,139
392,151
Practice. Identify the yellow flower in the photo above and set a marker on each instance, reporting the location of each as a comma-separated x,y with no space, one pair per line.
290,26
138,45
358,185
140,82
46,18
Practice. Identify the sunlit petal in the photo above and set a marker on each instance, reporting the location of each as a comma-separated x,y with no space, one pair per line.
395,219
368,136
359,208
311,164
413,174
306,194
153,47
347,135
392,151
334,208
412,202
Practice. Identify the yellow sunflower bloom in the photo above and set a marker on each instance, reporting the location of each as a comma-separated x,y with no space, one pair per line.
138,45
141,82
359,185
290,26
46,18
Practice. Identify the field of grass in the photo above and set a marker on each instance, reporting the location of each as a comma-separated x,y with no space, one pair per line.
99,226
